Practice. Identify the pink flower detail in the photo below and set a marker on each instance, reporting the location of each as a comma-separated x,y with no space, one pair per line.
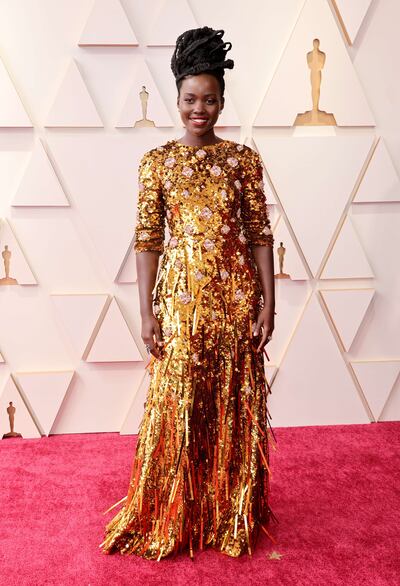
209,244
187,171
170,162
232,161
186,193
173,242
239,147
201,153
206,213
242,238
167,331
199,275
156,309
241,259
189,229
195,357
239,212
167,184
239,294
224,194
178,263
224,274
143,236
238,184
215,170
247,389
225,229
185,297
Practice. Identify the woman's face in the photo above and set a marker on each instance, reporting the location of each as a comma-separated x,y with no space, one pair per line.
199,103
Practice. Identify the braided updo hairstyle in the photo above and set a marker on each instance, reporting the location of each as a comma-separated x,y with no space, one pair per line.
201,50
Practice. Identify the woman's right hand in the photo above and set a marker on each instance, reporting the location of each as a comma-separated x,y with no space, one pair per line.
151,334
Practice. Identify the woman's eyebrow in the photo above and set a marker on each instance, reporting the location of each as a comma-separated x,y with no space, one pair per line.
190,94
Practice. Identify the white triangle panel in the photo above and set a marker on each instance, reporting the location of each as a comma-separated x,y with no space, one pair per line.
170,20
268,188
44,392
270,371
229,115
108,25
290,299
391,410
347,259
18,265
73,105
12,111
23,421
132,109
380,181
351,14
2,361
40,185
347,308
377,379
292,263
134,416
114,341
80,315
289,93
314,392
314,177
127,271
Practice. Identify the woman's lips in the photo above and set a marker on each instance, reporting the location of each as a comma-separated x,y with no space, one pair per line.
199,121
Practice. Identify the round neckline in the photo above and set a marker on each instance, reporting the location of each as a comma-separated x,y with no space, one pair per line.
198,147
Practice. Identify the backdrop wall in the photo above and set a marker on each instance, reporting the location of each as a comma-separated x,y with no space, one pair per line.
71,356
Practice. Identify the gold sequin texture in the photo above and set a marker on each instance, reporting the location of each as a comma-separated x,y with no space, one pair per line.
201,476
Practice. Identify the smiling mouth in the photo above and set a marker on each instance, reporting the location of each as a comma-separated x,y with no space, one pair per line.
199,121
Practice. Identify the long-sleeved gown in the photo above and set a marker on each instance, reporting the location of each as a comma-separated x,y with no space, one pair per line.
200,475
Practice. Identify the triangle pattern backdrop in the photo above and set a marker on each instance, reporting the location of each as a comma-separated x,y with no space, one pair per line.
377,379
380,181
312,177
24,422
12,111
351,15
18,265
73,105
290,90
40,185
44,392
347,308
170,18
323,173
108,25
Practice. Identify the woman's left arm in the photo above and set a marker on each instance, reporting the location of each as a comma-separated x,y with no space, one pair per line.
257,229
264,257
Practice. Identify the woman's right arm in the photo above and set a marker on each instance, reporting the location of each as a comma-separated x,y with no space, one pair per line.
148,245
146,268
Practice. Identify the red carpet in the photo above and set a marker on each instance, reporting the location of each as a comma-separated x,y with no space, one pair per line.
335,491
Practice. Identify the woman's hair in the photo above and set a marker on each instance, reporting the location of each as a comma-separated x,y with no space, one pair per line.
201,50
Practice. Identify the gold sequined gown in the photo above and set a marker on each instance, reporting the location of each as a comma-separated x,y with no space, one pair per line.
200,475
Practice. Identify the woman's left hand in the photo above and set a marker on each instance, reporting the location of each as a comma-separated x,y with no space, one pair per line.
265,322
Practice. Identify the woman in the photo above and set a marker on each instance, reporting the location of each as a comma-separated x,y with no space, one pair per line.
200,475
